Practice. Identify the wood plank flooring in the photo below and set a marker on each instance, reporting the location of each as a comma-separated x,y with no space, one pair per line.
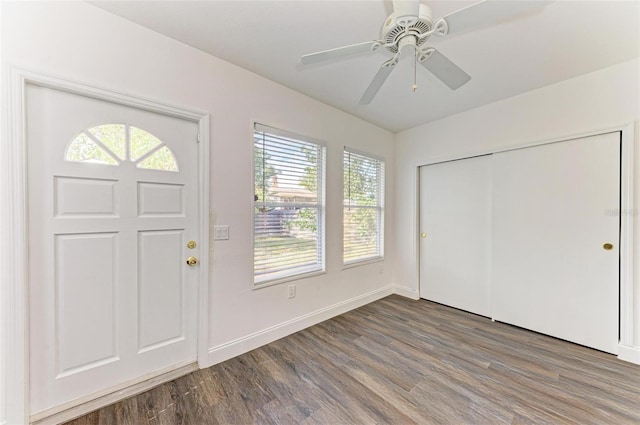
397,361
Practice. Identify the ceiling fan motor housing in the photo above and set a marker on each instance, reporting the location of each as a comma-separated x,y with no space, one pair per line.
395,28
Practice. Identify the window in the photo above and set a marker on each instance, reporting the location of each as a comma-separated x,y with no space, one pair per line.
363,219
110,144
289,205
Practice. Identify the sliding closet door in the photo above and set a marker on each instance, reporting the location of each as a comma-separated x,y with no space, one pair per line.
455,226
556,239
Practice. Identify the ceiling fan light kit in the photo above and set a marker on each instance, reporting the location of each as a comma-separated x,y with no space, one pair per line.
409,27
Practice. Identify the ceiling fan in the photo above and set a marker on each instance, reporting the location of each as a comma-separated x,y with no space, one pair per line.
409,27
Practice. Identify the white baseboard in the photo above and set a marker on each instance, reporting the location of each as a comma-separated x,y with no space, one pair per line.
406,292
629,353
250,342
72,410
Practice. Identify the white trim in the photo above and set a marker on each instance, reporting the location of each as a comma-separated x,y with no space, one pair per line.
250,342
13,254
3,363
251,217
416,219
627,217
364,262
288,278
403,291
13,246
92,402
204,180
515,146
629,354
114,96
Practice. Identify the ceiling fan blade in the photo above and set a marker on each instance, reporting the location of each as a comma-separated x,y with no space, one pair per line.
388,7
406,8
489,12
338,52
445,70
377,82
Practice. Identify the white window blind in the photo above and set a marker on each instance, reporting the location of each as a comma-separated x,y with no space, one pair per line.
363,219
289,205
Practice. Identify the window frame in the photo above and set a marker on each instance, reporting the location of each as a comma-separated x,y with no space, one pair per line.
379,207
299,272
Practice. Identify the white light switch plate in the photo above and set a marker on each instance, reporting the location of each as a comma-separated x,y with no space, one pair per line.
221,232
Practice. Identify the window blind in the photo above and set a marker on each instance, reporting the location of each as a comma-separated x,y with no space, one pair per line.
363,219
289,205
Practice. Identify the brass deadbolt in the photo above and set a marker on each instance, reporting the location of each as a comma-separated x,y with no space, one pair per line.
192,261
191,244
607,246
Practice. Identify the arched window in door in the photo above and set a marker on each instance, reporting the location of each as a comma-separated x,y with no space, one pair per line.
111,144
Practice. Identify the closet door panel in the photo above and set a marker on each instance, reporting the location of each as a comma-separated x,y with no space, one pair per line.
554,208
455,220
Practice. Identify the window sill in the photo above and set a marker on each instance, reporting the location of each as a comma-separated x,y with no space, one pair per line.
278,281
362,262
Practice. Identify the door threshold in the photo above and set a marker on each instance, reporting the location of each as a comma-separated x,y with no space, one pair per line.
87,404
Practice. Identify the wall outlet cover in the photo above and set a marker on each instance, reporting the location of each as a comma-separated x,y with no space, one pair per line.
220,232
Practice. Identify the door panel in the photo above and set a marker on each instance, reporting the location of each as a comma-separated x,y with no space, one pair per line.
164,199
455,215
84,197
113,202
85,304
160,286
554,208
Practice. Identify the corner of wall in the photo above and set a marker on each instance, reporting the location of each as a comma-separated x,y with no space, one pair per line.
405,291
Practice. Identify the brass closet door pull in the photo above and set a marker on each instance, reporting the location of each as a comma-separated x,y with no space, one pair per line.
607,246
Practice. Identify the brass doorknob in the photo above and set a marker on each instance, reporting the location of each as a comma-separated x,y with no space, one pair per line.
423,235
607,246
192,261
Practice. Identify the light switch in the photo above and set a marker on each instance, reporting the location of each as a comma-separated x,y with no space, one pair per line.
221,232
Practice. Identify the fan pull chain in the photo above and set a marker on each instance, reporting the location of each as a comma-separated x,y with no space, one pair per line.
415,67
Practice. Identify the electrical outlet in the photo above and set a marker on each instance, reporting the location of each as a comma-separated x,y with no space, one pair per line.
292,291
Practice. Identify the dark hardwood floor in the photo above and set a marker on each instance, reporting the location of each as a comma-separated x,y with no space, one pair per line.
397,361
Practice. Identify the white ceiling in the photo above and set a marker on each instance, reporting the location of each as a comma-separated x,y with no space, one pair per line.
560,41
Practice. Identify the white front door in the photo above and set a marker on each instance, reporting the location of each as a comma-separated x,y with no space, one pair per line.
455,240
112,206
556,207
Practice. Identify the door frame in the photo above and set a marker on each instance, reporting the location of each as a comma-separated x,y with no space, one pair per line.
630,155
14,263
